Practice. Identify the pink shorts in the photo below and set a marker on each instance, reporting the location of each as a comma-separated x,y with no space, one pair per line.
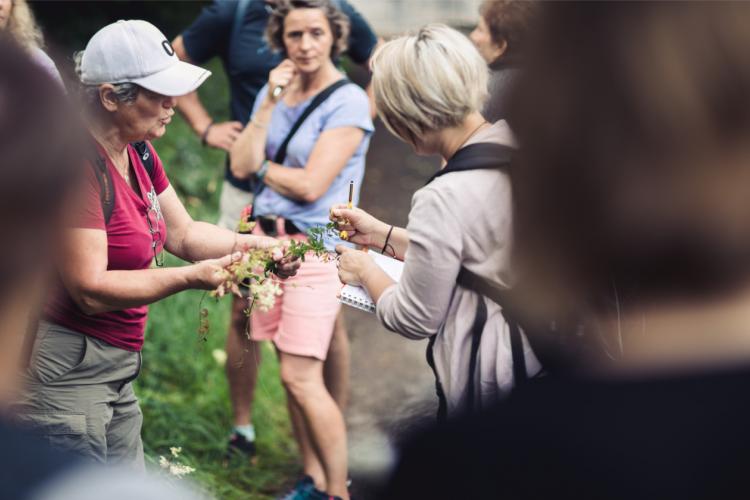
302,320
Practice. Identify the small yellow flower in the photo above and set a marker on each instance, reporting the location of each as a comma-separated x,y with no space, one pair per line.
344,235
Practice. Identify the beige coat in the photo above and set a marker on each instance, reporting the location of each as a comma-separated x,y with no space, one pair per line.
459,219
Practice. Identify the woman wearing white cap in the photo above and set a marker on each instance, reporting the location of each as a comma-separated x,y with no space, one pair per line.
87,349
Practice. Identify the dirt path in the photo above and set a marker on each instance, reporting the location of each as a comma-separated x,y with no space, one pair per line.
391,385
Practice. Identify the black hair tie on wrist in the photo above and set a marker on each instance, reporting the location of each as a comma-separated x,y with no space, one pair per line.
388,237
204,135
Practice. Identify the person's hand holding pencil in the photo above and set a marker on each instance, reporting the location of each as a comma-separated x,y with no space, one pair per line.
344,234
360,227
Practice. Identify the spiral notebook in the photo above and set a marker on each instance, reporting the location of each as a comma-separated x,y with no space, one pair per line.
356,296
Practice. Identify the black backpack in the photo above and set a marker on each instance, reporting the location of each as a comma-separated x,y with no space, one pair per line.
104,176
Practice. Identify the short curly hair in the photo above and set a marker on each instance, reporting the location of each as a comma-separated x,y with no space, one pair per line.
509,22
338,21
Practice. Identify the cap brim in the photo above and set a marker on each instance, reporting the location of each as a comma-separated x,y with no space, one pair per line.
179,79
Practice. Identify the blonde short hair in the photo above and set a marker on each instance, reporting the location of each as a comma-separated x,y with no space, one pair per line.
22,26
428,81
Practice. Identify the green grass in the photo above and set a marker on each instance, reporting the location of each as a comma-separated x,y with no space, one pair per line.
182,389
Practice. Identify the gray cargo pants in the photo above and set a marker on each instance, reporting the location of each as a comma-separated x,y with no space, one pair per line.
79,396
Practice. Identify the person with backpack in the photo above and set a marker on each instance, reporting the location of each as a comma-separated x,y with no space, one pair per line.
87,351
429,88
36,110
233,30
306,143
633,190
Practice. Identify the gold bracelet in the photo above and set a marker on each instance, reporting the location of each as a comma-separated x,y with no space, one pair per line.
257,124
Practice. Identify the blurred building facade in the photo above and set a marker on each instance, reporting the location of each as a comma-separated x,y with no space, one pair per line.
390,17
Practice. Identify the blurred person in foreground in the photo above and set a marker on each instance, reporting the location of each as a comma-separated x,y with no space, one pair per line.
635,215
17,20
235,32
87,351
34,111
500,36
429,88
325,154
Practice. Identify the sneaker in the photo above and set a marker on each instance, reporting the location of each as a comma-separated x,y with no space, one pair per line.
301,491
316,494
239,444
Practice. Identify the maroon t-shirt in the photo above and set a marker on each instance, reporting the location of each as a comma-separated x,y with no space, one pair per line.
129,247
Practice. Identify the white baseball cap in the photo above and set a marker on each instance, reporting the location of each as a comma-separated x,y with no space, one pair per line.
137,52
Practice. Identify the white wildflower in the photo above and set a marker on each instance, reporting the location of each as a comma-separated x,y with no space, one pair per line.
265,294
180,470
163,462
220,356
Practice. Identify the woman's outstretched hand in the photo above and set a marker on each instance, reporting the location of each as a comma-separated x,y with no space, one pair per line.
361,227
286,265
207,274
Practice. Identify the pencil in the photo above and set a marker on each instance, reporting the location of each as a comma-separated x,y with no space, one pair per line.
351,195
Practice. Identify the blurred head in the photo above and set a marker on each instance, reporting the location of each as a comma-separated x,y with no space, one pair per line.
309,32
502,29
16,17
427,82
130,74
40,140
635,164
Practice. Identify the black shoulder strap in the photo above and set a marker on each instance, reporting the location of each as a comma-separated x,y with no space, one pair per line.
442,412
317,101
502,297
141,147
104,177
481,155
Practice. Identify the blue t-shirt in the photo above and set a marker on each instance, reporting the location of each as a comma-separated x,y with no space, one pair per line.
348,106
249,59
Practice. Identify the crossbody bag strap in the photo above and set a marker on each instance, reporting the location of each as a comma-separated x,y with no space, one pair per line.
324,94
319,99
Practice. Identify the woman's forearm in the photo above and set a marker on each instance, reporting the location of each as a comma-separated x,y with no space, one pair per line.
117,290
376,281
397,244
295,183
202,240
248,151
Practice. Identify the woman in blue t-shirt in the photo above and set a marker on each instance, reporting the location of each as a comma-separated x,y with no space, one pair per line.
324,155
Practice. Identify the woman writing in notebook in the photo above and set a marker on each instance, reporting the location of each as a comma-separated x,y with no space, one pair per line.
422,96
302,173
